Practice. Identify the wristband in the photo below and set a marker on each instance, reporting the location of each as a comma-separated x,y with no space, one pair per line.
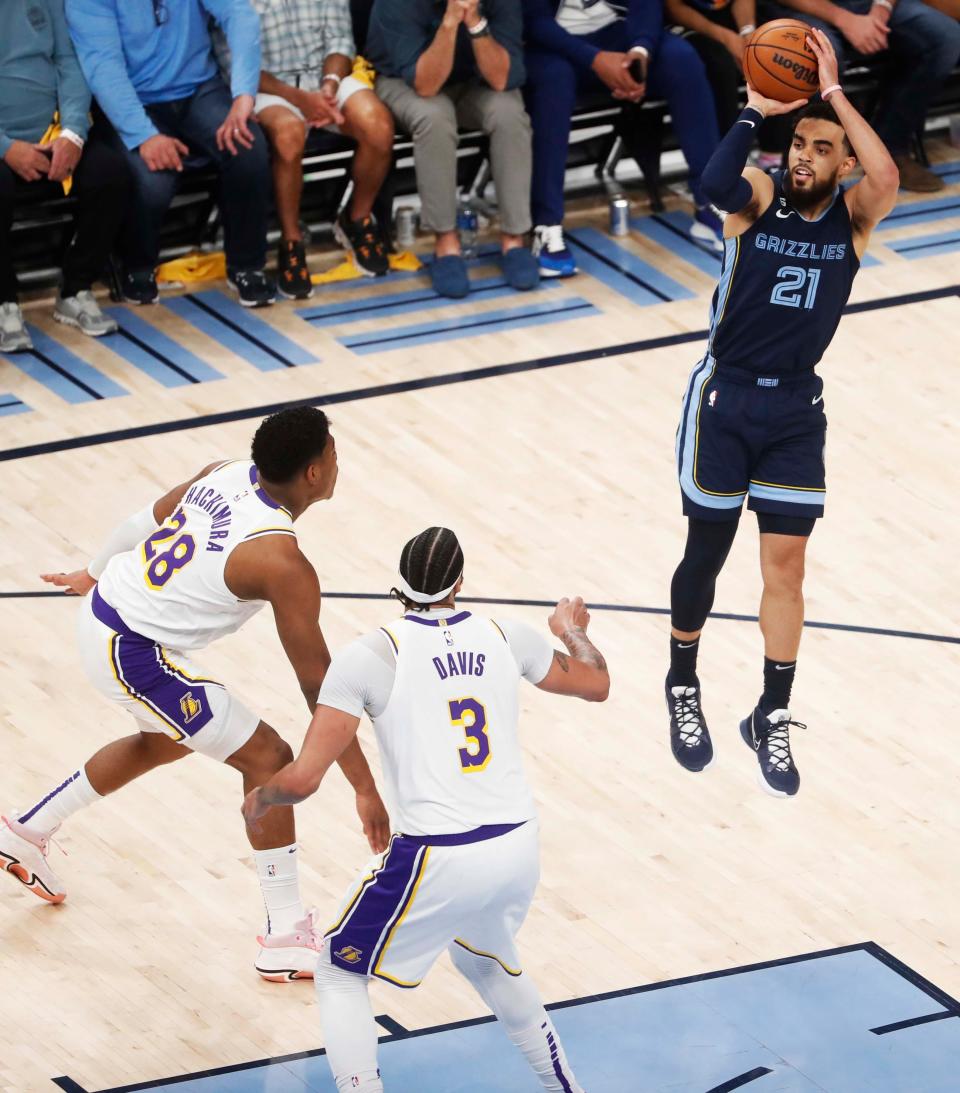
74,138
883,4
479,30
747,30
642,50
827,92
755,109
331,76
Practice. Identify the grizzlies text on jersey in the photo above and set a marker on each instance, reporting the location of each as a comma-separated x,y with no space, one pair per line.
782,289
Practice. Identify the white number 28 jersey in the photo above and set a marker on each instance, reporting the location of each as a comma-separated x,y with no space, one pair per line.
171,587
448,732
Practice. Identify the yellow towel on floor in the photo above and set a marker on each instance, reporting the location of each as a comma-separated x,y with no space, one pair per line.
347,271
53,132
194,267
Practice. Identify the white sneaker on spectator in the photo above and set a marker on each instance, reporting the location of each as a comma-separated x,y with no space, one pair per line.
83,312
707,227
14,336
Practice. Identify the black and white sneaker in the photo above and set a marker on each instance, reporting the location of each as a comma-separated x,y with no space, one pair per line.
769,736
253,287
689,736
363,241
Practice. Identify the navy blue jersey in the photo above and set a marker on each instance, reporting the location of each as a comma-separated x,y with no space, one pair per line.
782,288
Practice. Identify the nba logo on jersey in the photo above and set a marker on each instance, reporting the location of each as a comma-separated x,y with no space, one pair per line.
189,707
713,398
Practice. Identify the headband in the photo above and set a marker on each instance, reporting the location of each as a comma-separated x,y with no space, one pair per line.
422,597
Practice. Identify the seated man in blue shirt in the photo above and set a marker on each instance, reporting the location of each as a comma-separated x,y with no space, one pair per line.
39,77
621,45
151,68
442,63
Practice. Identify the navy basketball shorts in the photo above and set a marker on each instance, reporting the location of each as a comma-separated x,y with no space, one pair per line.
747,436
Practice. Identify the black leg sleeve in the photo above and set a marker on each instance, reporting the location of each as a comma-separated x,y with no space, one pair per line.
695,581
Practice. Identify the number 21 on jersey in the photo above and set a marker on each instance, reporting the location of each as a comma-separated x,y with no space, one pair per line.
788,291
469,715
163,563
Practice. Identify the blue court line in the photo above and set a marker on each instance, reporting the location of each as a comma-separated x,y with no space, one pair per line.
233,326
10,404
403,303
150,350
947,170
570,307
923,246
621,270
672,231
424,383
626,608
805,1019
919,212
62,372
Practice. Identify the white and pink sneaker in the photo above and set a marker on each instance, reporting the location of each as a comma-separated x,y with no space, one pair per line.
23,854
286,957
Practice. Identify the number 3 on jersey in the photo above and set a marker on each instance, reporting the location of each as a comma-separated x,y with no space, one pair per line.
469,715
788,290
162,564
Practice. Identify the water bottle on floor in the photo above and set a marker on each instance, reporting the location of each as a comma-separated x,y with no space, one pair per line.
467,229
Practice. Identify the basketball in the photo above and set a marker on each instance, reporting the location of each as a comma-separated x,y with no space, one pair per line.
778,62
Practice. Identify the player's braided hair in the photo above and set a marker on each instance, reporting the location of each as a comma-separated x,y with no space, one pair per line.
429,563
287,441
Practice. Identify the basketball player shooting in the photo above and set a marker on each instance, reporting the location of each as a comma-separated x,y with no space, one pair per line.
441,686
753,424
185,571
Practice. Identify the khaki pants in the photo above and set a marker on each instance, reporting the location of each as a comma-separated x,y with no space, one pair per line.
433,123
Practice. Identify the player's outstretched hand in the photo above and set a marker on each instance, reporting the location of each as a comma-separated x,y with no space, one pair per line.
567,615
827,64
771,107
253,809
77,583
375,819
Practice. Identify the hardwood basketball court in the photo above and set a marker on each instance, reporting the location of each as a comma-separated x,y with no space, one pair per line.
541,429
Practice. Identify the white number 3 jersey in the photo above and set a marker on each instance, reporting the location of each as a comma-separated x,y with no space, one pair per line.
448,733
171,588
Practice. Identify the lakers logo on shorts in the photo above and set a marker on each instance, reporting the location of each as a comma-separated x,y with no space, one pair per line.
190,707
349,954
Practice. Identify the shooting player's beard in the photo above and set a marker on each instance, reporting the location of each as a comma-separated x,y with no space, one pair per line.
811,195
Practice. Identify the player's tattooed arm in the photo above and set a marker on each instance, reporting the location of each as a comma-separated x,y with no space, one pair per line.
582,648
581,671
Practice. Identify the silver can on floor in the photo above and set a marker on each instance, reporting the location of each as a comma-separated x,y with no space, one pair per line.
619,215
405,227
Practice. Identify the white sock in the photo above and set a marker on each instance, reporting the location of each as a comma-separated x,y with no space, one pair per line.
280,885
516,1002
60,804
349,1028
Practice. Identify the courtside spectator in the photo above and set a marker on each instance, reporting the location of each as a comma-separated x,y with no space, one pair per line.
151,68
580,44
40,77
307,54
922,47
718,31
441,64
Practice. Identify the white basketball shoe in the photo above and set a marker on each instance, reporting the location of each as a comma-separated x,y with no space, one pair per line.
23,854
284,958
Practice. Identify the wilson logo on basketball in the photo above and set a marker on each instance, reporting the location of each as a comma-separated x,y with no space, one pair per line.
802,72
